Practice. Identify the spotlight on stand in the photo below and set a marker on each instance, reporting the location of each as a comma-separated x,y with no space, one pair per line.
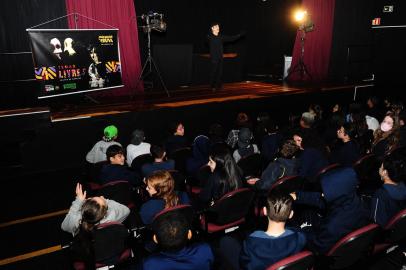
305,25
153,21
303,19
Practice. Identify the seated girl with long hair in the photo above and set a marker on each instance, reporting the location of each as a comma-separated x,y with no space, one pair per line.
161,189
226,176
83,218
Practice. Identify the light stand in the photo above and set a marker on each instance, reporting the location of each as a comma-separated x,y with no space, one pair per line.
300,66
150,62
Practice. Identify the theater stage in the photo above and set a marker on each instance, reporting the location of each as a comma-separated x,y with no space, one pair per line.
186,96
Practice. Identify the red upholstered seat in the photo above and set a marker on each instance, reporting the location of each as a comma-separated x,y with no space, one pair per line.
353,247
300,261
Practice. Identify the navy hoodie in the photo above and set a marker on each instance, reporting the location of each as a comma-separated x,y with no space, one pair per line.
196,257
344,210
311,162
115,172
261,250
387,201
281,167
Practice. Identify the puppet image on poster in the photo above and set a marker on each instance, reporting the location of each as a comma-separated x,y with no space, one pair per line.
56,48
97,70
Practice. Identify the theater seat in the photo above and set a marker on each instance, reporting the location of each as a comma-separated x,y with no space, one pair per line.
251,165
227,212
300,261
394,233
110,246
353,247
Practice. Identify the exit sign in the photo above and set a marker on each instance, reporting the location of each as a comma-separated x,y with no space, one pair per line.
387,9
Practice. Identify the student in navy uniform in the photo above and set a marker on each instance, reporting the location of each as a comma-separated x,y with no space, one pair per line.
343,209
348,152
161,189
116,170
391,197
172,233
263,248
160,162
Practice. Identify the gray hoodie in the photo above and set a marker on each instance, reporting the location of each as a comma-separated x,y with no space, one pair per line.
115,212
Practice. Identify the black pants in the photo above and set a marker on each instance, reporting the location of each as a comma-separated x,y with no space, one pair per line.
216,73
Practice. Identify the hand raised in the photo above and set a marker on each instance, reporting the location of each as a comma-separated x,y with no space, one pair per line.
79,192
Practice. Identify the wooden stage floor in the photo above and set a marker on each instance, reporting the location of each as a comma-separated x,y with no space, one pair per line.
184,97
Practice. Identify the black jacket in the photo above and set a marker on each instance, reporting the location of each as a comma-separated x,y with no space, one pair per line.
216,45
344,210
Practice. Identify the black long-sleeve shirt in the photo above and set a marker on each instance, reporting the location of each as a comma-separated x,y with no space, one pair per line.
216,45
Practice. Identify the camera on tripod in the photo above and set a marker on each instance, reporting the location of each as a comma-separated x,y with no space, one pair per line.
153,21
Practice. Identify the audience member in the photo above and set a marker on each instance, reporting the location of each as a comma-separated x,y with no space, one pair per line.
271,141
343,210
386,138
200,154
161,189
94,210
348,152
216,134
286,165
241,121
226,176
137,147
160,162
177,140
391,197
313,157
115,169
172,233
245,147
263,248
98,152
374,109
402,128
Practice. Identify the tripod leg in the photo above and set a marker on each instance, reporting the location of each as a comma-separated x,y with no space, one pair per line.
142,72
293,70
160,77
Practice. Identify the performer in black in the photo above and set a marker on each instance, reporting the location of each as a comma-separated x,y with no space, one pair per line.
216,41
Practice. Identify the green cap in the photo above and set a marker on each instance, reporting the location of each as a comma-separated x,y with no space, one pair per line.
110,132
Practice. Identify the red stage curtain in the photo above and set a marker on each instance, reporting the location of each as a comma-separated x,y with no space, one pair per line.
317,43
121,15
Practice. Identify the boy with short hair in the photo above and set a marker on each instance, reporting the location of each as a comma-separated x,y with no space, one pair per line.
263,248
116,170
160,162
172,233
98,152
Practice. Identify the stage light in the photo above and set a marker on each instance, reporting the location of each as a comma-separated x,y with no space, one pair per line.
304,20
300,15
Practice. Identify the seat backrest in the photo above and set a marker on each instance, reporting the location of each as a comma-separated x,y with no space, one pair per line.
185,209
367,168
202,175
95,170
326,170
395,229
139,161
288,184
180,180
352,247
110,241
301,261
231,207
180,156
119,191
251,165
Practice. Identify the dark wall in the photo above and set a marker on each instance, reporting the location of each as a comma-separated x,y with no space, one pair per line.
268,24
16,70
352,31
